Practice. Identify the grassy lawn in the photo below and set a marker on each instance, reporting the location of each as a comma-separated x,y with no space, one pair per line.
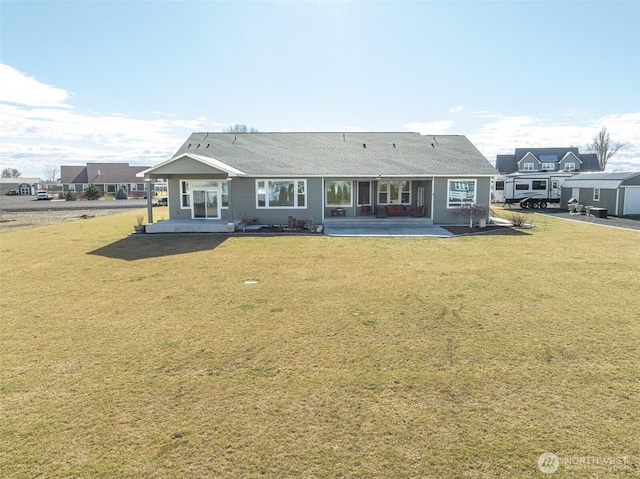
467,357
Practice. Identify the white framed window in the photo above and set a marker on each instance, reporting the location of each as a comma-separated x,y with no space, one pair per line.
527,167
394,192
549,166
460,192
569,166
281,193
224,194
338,193
596,194
185,193
187,186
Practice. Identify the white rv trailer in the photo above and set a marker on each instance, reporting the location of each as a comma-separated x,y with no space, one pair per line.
531,190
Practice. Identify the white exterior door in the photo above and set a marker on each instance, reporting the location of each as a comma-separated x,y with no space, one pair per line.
631,200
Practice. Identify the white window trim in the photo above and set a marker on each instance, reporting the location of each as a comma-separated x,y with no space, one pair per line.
389,192
190,194
326,201
549,166
464,180
596,194
266,194
528,167
569,166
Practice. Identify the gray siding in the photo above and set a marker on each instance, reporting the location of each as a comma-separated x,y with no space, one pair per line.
243,200
444,215
608,199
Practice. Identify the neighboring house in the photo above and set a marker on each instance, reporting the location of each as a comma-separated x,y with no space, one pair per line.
21,186
270,177
527,160
548,166
108,177
619,193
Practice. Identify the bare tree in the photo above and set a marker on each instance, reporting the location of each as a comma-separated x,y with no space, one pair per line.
11,173
240,128
51,173
604,148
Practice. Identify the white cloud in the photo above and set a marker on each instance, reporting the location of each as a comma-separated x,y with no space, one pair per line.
37,128
503,134
456,109
441,127
18,88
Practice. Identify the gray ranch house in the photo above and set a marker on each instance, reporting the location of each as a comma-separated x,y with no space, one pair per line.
617,193
218,180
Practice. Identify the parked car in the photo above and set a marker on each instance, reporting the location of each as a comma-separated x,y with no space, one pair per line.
162,201
13,192
42,195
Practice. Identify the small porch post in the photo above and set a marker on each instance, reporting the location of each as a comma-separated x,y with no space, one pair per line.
230,221
149,200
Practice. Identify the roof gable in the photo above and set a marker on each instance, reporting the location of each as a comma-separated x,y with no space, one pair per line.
190,164
570,157
528,158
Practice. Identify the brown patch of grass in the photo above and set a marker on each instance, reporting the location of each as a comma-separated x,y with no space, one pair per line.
352,357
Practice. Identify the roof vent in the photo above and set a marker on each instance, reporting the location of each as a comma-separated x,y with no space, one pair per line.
364,145
208,145
198,145
189,145
394,145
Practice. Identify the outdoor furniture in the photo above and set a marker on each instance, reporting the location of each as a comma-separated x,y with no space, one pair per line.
599,212
365,210
417,211
380,212
396,210
337,212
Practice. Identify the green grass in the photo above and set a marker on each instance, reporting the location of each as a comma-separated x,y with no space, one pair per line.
348,357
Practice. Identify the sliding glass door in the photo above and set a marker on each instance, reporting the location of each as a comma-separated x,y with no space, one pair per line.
205,204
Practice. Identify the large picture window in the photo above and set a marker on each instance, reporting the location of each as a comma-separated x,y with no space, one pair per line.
461,192
281,193
338,193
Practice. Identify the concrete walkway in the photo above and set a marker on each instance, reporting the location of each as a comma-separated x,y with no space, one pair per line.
386,230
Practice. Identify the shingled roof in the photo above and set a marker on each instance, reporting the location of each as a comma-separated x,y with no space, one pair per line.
102,173
338,154
507,164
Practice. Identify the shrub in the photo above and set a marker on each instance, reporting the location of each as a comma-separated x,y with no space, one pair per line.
93,193
518,219
121,195
70,196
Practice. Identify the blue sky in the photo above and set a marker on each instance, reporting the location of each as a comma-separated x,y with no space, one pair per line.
129,81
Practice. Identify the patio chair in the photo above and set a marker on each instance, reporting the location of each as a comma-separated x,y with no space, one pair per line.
417,211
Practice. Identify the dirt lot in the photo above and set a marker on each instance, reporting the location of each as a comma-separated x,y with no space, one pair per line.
20,212
17,220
